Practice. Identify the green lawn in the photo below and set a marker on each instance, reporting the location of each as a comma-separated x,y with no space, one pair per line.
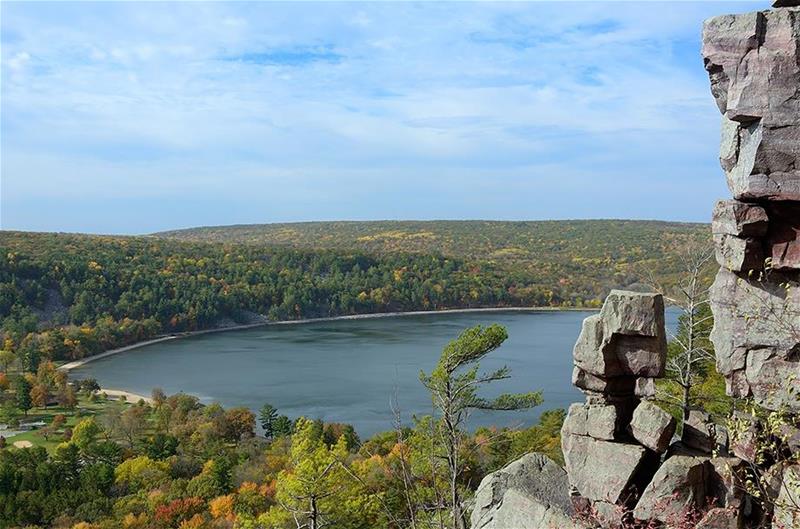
85,408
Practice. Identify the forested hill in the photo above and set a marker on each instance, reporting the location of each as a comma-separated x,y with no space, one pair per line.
65,296
577,260
499,241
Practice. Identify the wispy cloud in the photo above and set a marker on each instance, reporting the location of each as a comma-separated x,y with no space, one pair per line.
279,111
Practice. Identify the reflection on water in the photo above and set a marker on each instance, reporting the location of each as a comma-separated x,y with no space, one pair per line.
351,370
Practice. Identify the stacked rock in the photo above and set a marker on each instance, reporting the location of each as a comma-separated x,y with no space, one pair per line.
753,62
613,441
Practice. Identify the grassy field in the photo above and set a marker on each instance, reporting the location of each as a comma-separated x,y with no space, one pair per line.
86,408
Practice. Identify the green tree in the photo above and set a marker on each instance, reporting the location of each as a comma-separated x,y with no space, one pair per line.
7,359
319,490
454,385
282,427
22,394
141,473
267,417
85,433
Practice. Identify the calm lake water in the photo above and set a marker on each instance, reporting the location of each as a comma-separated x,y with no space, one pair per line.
352,370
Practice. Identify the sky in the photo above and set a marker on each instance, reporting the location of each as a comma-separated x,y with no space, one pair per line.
137,117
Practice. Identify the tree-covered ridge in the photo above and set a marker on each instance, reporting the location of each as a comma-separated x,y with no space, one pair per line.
580,260
66,296
106,291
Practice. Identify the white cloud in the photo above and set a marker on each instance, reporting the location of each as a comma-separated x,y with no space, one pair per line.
166,97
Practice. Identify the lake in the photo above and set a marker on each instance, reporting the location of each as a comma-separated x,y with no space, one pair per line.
352,371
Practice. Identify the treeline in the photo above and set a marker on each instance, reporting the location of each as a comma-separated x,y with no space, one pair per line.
578,260
68,296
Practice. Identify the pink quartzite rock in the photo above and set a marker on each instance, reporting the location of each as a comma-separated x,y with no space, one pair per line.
720,518
737,254
627,339
756,337
652,426
603,470
739,219
679,485
751,60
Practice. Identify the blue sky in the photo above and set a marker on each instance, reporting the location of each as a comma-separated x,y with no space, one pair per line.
138,117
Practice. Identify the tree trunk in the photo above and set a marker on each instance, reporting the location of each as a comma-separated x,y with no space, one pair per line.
312,517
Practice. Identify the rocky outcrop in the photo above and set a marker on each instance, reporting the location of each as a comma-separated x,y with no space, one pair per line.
621,462
611,442
753,63
530,493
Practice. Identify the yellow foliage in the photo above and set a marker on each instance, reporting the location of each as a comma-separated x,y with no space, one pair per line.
132,521
222,507
196,522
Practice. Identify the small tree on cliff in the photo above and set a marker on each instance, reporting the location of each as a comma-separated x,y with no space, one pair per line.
454,385
691,380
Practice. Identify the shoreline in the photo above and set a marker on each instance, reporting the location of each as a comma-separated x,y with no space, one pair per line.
371,315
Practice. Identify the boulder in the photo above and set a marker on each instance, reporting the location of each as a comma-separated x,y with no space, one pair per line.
786,3
652,426
751,60
627,339
633,313
603,470
530,493
678,487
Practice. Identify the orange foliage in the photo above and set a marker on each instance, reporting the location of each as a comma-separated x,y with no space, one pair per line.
222,507
179,510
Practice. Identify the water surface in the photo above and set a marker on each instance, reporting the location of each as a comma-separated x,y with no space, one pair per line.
352,370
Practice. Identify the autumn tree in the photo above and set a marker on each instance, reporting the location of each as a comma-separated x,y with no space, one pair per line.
454,385
318,490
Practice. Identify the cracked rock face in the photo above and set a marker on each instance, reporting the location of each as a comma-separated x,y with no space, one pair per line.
530,493
751,60
757,338
753,63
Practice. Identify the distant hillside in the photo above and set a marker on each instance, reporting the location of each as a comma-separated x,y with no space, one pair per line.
580,258
492,240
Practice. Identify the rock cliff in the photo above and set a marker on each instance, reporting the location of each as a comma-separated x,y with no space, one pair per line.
753,63
623,465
